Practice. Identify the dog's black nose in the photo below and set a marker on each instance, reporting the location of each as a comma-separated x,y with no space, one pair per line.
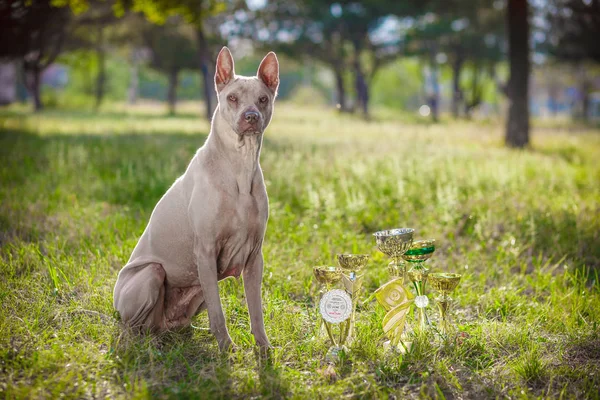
251,117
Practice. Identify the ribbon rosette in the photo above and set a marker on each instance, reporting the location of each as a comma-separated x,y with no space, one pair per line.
396,300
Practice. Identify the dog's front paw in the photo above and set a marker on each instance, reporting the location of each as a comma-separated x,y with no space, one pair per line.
227,346
264,347
261,339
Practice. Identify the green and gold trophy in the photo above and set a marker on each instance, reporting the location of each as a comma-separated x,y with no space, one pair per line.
335,308
444,283
417,254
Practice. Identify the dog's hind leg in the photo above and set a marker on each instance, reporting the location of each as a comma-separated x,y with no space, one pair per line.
181,304
139,296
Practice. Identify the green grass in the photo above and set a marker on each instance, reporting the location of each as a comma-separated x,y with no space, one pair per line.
523,227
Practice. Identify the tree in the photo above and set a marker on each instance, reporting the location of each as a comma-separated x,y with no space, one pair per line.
300,29
574,32
467,34
337,33
90,31
33,33
195,13
517,126
361,20
172,51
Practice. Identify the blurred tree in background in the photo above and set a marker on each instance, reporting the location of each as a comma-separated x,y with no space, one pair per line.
464,34
574,36
517,125
195,13
434,55
172,50
34,34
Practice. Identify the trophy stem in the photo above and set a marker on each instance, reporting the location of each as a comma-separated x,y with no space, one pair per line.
397,269
329,333
444,302
345,331
350,324
419,277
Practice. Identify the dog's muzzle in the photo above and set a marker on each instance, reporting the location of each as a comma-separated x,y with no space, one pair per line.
250,123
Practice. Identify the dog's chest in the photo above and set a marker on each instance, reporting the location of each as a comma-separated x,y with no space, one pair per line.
242,233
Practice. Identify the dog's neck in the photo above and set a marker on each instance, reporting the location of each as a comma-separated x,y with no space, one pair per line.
239,153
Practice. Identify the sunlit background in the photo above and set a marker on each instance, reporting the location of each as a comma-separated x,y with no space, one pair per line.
429,58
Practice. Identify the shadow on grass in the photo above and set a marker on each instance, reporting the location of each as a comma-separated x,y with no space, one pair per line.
178,364
566,235
187,364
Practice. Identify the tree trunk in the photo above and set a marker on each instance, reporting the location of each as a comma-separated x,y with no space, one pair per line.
476,91
340,90
517,127
362,89
33,82
363,93
172,93
434,98
456,91
585,97
207,80
553,90
585,105
8,83
132,92
101,77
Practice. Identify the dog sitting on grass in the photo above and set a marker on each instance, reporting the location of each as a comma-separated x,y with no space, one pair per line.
211,222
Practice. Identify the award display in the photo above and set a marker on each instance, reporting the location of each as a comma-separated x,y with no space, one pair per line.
405,291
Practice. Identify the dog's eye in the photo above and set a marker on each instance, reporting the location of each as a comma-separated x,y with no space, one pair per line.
232,98
263,99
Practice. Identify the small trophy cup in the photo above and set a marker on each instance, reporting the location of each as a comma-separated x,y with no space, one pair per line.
394,243
419,252
352,265
444,283
335,308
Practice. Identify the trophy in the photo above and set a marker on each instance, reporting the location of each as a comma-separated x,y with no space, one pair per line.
335,308
393,296
444,283
352,265
394,243
417,254
396,300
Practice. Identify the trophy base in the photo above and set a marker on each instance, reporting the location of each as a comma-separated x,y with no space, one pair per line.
335,353
402,347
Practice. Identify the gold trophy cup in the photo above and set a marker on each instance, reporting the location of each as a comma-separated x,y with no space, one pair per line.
444,283
394,243
335,308
352,265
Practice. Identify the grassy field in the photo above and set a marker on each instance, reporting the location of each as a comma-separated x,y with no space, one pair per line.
523,227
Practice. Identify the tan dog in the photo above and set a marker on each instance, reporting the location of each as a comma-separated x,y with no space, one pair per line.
211,223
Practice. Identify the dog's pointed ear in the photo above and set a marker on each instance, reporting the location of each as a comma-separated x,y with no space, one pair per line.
268,72
225,70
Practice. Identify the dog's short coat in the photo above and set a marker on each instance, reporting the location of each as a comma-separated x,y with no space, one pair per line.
211,223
